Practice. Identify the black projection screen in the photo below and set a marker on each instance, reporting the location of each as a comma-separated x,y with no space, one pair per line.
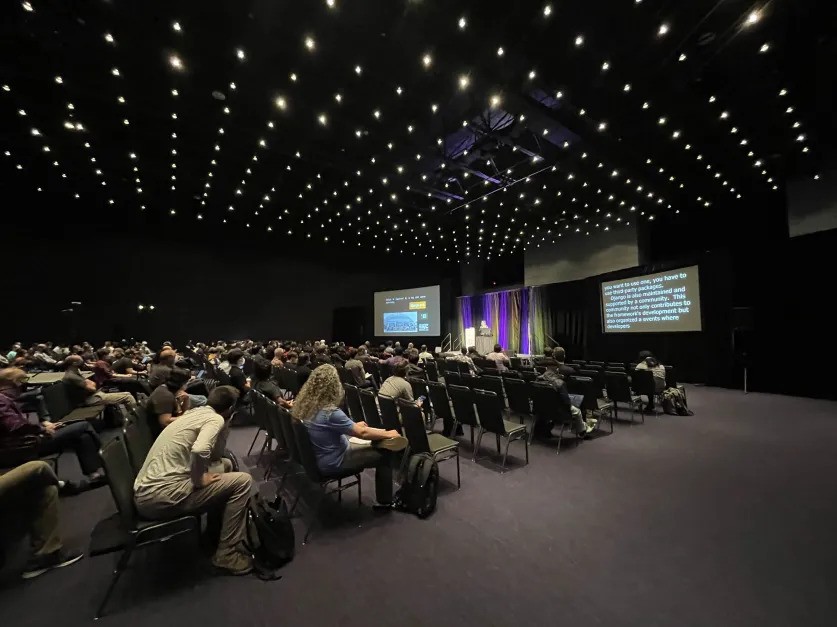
653,303
408,312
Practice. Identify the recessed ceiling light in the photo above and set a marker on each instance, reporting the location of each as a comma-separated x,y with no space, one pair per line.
764,48
663,30
464,81
176,27
463,23
579,41
547,10
427,60
176,62
310,43
753,17
109,38
27,6
239,52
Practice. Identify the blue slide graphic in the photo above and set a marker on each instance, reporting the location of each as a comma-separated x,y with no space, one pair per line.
401,322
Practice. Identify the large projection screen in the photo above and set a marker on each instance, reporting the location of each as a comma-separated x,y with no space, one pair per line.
653,303
408,312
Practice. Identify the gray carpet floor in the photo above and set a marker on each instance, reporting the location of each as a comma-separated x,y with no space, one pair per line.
724,518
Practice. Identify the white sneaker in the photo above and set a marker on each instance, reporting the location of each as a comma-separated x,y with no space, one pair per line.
591,423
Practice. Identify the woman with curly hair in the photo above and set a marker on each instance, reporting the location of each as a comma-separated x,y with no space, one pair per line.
317,406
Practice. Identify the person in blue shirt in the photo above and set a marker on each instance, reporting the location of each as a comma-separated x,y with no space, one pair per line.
317,406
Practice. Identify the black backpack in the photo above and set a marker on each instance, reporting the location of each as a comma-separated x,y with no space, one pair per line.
419,486
270,535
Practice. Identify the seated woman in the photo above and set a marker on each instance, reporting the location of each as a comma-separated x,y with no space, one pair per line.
317,405
52,437
262,372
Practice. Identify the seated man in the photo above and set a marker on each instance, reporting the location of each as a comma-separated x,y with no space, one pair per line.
559,354
103,373
462,356
317,405
83,391
355,366
499,357
174,480
237,377
647,361
168,401
124,363
43,359
159,371
581,427
31,492
547,354
262,370
397,385
53,438
424,355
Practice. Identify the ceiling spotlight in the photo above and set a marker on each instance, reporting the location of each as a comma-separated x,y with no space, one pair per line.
338,98
682,57
293,77
434,108
310,43
464,81
663,30
800,138
176,62
495,101
109,38
605,66
602,126
322,119
783,92
120,99
627,87
427,60
724,115
712,98
764,48
175,26
532,74
6,88
500,51
662,121
579,41
27,6
239,52
175,93
358,70
753,17
462,23
645,105
547,10
115,71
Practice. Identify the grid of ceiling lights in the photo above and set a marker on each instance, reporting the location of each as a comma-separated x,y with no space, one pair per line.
370,203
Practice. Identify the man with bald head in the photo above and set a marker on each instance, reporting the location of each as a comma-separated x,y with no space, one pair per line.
159,372
83,391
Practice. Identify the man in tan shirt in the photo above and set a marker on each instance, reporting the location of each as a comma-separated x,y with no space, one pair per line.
175,478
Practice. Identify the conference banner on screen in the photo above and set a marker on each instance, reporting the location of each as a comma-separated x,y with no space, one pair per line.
652,303
408,312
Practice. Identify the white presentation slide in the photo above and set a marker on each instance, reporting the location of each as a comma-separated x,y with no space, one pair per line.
408,312
653,303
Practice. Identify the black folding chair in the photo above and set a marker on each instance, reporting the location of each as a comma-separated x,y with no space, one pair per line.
125,531
462,399
642,382
592,402
61,410
353,401
260,416
619,391
441,406
432,370
671,381
453,377
517,391
309,463
490,410
136,444
437,445
371,414
549,407
492,384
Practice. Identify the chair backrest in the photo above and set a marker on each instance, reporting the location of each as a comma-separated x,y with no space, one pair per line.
618,387
596,363
137,445
259,408
274,425
642,381
413,426
493,384
510,374
432,369
671,377
597,376
515,363
286,422
439,399
120,476
370,409
307,457
143,420
490,410
517,391
587,388
616,365
385,371
372,367
463,404
547,403
419,387
389,413
482,363
289,380
353,401
57,401
344,374
528,375
452,377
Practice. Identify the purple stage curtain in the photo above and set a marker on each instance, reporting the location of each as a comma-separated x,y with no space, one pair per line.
506,312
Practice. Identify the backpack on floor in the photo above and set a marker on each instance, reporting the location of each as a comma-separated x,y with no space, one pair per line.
674,403
270,535
419,486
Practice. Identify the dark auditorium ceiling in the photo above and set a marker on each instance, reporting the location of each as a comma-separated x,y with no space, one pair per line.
484,126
